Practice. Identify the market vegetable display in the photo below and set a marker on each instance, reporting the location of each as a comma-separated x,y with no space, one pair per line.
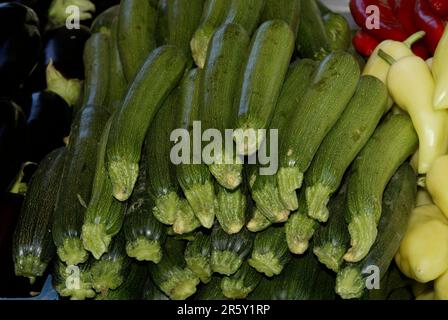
123,205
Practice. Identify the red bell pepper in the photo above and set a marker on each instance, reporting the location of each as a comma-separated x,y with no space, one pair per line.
364,43
429,22
440,7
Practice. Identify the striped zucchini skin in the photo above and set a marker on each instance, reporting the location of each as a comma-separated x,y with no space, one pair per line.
287,10
197,256
265,190
136,34
231,211
144,234
183,17
332,87
242,283
247,14
262,80
220,79
270,252
341,145
143,99
213,15
33,246
77,179
96,64
391,144
398,202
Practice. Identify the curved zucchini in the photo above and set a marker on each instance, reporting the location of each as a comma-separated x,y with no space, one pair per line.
136,34
262,81
213,15
33,246
341,145
287,10
398,202
144,234
197,256
332,87
270,252
104,215
391,144
242,283
258,222
131,122
229,250
77,181
220,79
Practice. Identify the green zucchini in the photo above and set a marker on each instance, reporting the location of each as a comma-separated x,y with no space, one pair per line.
145,235
132,287
242,283
211,291
104,216
247,14
103,22
162,23
287,10
96,64
391,144
213,15
229,250
341,145
172,275
33,246
262,82
270,252
77,181
136,34
398,202
312,37
109,272
73,281
220,78
265,190
300,228
195,179
332,87
142,101
332,239
338,31
258,222
151,292
197,256
231,212
183,18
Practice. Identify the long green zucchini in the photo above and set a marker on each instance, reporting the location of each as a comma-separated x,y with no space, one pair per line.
261,82
104,215
33,246
195,179
270,252
242,283
343,143
391,144
151,292
332,87
109,272
398,202
332,239
142,101
220,79
198,254
258,222
77,181
287,10
136,34
74,282
172,275
213,14
229,250
145,235
264,189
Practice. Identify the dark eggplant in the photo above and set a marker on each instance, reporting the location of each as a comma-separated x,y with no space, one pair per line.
20,45
48,124
40,7
12,133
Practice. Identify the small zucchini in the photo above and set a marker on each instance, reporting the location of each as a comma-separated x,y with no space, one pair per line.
242,283
198,254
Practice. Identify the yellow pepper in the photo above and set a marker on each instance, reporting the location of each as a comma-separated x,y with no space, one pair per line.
423,252
440,72
437,183
411,85
441,287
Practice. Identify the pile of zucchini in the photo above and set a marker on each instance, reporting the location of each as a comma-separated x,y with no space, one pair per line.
112,217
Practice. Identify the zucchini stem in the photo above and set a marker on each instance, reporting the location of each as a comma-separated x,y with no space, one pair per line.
95,239
29,266
186,221
225,262
72,252
289,180
143,249
228,175
167,207
258,222
317,198
267,263
268,200
299,230
202,200
363,232
123,176
349,283
330,255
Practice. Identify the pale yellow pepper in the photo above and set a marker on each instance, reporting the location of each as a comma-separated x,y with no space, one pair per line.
411,85
440,72
437,183
441,287
423,252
